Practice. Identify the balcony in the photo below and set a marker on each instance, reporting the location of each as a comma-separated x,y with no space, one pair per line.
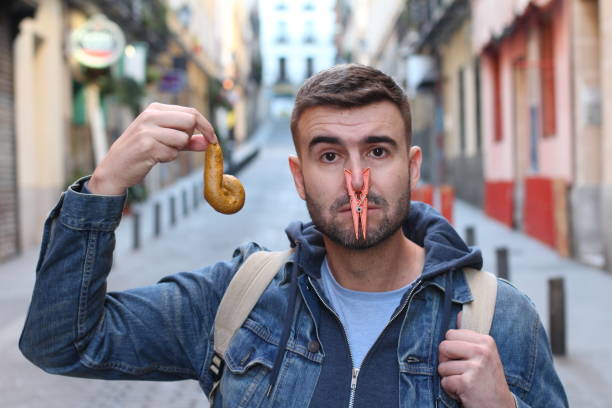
434,20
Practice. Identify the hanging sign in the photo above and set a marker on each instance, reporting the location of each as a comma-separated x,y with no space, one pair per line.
98,43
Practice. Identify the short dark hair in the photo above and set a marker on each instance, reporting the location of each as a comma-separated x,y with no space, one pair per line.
350,86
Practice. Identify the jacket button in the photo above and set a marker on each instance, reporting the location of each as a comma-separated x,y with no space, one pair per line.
313,346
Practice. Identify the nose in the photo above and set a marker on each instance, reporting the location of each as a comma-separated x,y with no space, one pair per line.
357,179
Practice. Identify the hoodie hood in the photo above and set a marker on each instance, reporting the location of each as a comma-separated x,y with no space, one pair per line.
445,250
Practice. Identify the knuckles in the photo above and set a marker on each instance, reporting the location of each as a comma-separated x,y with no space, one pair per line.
148,114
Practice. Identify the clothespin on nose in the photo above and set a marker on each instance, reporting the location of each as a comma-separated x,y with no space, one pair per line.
359,201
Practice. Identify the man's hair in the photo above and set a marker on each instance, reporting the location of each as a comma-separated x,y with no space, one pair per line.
349,86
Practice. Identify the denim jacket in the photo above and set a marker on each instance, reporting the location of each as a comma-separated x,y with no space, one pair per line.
164,331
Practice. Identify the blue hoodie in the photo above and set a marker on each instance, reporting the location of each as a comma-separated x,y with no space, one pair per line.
445,252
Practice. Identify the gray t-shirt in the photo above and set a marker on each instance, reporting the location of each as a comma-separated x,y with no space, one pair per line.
364,315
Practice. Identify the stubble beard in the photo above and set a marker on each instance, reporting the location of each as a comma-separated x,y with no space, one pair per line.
334,226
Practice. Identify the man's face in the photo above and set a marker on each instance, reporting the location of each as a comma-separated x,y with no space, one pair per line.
332,139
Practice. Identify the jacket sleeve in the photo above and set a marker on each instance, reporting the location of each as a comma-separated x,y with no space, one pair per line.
525,351
73,327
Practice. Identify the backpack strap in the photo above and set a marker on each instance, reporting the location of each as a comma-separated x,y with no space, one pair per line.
478,314
241,295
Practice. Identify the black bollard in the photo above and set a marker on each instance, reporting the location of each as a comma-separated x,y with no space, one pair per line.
185,206
556,309
157,220
172,210
470,236
136,230
503,270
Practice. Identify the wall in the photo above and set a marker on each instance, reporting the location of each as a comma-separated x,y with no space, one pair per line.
295,50
463,163
40,117
586,195
556,152
605,21
8,177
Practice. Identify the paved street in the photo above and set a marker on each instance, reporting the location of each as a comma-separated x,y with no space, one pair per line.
204,236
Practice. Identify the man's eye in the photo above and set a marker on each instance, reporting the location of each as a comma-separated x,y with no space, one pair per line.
378,152
329,157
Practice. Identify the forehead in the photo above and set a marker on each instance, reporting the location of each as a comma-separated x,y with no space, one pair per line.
380,118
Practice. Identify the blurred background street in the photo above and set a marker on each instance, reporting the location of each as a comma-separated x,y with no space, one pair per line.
511,103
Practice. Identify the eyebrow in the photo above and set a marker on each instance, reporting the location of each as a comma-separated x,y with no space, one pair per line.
380,139
323,139
336,141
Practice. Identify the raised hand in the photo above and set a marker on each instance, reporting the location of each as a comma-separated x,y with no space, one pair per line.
155,136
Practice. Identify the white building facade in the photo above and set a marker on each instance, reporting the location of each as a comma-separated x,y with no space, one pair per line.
297,40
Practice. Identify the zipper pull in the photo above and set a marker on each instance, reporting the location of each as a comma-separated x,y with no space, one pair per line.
354,378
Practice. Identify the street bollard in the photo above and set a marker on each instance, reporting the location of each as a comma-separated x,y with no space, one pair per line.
157,220
196,196
136,230
556,308
172,210
185,206
503,270
470,236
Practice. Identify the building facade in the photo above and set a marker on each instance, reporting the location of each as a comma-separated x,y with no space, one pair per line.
512,104
11,14
297,40
442,35
61,111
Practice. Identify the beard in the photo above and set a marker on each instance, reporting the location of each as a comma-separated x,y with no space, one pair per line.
335,227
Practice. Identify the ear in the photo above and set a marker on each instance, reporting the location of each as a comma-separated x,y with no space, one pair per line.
296,171
415,157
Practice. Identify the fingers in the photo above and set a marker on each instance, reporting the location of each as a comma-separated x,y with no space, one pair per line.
197,143
168,142
165,154
456,350
453,367
452,385
172,138
468,335
199,121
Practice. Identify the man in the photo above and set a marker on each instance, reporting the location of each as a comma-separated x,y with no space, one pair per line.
365,313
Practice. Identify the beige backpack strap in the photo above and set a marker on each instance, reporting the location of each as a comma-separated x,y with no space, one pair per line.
478,314
243,292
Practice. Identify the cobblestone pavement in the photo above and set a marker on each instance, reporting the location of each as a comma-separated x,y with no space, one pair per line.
204,236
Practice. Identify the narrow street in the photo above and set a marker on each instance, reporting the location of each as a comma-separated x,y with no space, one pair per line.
204,236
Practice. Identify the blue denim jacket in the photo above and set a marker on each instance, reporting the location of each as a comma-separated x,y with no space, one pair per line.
164,331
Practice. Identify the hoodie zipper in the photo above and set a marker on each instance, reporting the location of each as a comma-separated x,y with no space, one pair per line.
355,371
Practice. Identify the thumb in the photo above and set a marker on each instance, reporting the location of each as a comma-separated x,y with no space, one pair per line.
459,319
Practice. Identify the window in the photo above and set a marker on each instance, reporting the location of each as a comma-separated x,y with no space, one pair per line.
281,32
309,5
281,5
309,32
282,69
478,106
497,95
547,72
309,67
461,110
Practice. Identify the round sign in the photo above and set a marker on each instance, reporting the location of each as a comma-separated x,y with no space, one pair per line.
98,43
